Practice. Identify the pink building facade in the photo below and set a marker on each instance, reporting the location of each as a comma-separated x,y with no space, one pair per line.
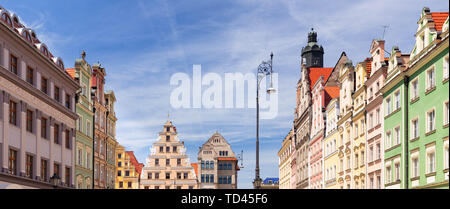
375,117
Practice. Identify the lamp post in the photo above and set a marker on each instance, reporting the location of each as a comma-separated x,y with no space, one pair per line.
55,180
264,69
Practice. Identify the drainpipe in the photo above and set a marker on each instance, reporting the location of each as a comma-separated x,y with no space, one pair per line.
93,148
406,151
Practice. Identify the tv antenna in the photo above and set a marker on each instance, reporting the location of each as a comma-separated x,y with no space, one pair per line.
384,30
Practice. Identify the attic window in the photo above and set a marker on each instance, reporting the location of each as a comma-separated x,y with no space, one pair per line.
27,36
378,51
45,51
6,19
60,64
16,20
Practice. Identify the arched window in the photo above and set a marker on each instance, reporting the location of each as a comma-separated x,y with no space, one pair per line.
44,50
27,36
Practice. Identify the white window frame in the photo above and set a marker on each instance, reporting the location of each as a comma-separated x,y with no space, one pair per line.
428,120
415,171
388,141
412,128
415,91
445,68
397,135
446,116
431,150
388,106
88,129
388,170
446,155
397,98
433,82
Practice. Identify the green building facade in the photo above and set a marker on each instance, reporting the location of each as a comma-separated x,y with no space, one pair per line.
84,136
428,104
416,107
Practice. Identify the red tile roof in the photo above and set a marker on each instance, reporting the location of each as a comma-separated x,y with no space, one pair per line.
315,73
137,166
228,158
332,91
439,19
368,66
71,72
195,165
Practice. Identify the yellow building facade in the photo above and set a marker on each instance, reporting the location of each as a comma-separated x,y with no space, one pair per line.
284,162
128,169
359,128
330,150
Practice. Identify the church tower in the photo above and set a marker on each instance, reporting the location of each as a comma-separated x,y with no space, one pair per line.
312,53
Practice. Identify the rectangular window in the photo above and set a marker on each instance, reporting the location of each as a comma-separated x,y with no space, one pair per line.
378,151
397,135
397,172
167,175
88,128
388,106
430,121
167,162
13,64
30,75
178,161
68,180
12,162
397,100
371,154
120,184
68,139
168,149
56,169
388,174
388,139
185,176
127,173
161,149
378,116
167,138
431,162
149,175
415,89
44,174
178,175
56,94
30,121
415,128
68,101
446,156
44,84
156,162
56,133
445,68
430,79
13,113
446,113
415,167
174,148
29,167
156,175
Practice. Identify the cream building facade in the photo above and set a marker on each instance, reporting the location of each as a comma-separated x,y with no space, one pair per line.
218,165
284,162
331,158
168,166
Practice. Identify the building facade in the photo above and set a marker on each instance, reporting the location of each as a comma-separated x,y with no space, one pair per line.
37,110
128,170
111,141
427,104
359,125
218,164
330,151
168,166
284,162
85,125
374,116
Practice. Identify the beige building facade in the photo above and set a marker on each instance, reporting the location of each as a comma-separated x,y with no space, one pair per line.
168,166
284,162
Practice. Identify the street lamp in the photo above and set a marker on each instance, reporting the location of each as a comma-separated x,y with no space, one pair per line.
264,69
55,180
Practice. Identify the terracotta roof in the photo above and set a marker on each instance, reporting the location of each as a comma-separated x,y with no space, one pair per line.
137,166
195,165
315,73
71,72
228,158
332,91
439,19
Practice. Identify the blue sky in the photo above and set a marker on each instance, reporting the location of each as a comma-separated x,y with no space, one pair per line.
143,43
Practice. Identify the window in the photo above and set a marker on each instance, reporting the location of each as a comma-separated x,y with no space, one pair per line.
415,129
342,165
30,75
127,173
388,139
44,174
156,162
44,128
446,156
431,162
44,83
174,149
120,184
397,135
30,121
161,149
371,154
430,121
397,172
119,164
167,138
178,175
12,162
397,100
168,149
88,160
67,139
445,68
156,175
178,162
415,167
13,64
56,94
29,167
356,160
185,175
167,175
68,180
88,128
446,113
415,89
167,162
388,106
129,184
388,174
68,101
378,116
430,79
80,156
13,113
362,158
56,133
56,169
378,151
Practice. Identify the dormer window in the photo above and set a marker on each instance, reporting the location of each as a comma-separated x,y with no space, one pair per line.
7,19
27,36
60,64
45,51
